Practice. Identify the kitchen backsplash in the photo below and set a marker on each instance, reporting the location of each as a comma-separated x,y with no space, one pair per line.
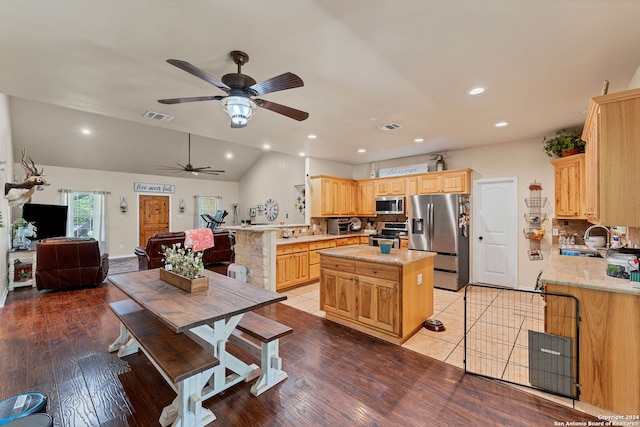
577,227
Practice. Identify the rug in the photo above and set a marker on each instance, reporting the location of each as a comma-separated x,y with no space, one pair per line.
123,265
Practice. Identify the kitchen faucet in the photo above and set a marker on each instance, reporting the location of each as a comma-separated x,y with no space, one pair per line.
586,233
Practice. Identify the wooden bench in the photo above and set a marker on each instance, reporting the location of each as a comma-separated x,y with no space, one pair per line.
267,332
184,364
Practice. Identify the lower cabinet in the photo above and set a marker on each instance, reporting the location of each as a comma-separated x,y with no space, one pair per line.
292,265
383,300
314,258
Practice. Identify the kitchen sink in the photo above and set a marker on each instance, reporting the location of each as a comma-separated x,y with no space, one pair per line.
582,253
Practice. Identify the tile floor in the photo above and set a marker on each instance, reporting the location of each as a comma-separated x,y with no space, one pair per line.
446,346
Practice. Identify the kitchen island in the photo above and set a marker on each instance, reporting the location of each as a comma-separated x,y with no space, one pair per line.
388,296
609,329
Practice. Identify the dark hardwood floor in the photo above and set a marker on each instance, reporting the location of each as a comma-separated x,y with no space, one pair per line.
56,343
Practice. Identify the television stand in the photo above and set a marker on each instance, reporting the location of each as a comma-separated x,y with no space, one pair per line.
24,256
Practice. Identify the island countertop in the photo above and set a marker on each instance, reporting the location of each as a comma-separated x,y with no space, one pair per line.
400,257
584,272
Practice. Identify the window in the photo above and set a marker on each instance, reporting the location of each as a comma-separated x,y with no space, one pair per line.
206,205
87,215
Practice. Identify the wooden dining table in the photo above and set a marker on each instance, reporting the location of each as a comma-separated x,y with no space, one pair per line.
209,317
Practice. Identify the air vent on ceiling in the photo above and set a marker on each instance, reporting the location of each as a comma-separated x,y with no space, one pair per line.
390,126
158,116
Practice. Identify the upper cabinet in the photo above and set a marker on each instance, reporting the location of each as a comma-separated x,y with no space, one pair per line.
390,186
333,196
569,187
366,199
612,154
454,181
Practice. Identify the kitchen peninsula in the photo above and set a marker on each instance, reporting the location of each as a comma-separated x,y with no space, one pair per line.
609,329
388,296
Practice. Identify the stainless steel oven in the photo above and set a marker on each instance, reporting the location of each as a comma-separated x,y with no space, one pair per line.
390,231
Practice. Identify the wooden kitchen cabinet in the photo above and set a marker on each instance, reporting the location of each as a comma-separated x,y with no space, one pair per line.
609,368
383,300
569,182
390,187
314,258
292,265
333,196
348,241
411,185
455,181
366,200
612,153
378,296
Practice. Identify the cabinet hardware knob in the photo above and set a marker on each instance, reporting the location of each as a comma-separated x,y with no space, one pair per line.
480,238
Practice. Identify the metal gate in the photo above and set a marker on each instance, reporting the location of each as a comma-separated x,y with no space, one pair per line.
528,338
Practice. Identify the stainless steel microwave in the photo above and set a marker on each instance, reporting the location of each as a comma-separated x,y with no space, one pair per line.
390,205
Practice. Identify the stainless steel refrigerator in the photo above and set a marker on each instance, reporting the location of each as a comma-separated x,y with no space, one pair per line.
440,223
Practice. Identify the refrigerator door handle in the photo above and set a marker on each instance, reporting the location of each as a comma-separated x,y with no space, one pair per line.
431,228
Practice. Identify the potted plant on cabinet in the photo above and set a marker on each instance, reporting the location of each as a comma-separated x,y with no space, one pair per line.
565,143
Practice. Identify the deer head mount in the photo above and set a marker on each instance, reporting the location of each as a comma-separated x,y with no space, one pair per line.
19,194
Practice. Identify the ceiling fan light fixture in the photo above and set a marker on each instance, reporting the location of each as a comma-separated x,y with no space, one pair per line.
239,108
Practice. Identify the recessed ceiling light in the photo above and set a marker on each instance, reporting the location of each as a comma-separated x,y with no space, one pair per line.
582,112
86,131
362,150
266,146
418,140
229,155
501,124
312,136
301,154
476,91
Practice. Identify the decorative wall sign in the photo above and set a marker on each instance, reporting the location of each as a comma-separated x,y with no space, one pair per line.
142,187
403,170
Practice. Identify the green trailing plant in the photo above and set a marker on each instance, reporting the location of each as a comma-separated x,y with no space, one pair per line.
565,140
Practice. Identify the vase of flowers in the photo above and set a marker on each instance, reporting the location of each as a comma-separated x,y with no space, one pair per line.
183,268
439,158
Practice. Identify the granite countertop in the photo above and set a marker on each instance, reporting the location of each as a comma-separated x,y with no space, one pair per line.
315,238
583,272
372,254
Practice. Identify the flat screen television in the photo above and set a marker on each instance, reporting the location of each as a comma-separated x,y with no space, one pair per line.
50,220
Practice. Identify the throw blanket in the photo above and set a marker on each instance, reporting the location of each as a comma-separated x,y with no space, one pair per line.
198,239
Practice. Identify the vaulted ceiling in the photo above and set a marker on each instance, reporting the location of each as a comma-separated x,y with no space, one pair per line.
364,63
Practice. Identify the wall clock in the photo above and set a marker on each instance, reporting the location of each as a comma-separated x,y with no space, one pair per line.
271,209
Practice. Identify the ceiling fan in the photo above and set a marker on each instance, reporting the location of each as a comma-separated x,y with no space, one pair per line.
240,89
189,167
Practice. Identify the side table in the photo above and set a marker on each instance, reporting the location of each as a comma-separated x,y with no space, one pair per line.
24,256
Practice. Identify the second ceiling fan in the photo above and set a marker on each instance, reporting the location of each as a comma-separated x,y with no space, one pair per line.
240,89
190,168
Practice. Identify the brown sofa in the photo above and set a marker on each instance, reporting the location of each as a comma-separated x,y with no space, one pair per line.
69,263
150,256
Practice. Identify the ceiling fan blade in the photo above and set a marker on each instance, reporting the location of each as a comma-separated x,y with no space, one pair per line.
209,172
274,84
190,99
207,169
192,69
282,109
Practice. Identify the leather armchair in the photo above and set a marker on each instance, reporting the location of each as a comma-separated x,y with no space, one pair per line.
69,263
150,256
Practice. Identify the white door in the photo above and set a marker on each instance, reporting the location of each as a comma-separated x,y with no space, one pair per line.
495,242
